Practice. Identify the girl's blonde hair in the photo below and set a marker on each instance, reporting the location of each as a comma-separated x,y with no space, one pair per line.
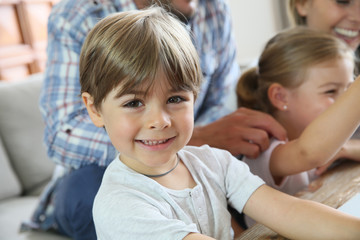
127,49
284,60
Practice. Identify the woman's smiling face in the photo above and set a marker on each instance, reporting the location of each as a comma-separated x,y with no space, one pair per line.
340,18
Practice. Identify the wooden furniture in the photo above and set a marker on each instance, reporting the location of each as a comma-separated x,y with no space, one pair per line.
23,38
333,188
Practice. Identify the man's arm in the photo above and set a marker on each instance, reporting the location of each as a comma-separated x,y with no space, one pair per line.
71,138
244,131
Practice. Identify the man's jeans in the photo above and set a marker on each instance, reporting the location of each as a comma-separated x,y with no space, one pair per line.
74,200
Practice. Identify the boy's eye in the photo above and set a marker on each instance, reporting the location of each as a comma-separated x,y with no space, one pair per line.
175,99
133,104
343,2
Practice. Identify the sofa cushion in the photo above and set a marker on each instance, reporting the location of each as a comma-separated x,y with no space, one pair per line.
16,210
9,183
22,128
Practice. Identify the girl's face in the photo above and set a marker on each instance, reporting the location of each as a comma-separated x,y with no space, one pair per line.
322,85
148,130
340,18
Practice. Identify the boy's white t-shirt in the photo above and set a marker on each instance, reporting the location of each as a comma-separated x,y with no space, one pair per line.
130,205
290,184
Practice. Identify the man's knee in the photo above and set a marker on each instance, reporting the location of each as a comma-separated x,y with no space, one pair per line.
80,186
74,200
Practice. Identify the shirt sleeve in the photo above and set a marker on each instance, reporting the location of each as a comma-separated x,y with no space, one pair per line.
261,165
240,183
219,64
232,175
71,138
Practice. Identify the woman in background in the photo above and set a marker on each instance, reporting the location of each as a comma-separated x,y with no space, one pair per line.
340,18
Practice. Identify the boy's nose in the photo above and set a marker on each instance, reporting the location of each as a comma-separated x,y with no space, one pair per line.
158,119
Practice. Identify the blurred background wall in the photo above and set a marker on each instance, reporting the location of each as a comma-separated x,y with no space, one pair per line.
255,22
23,35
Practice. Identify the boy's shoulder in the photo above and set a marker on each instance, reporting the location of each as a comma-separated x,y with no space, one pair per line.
206,154
204,149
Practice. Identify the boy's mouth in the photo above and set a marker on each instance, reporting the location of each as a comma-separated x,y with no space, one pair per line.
154,142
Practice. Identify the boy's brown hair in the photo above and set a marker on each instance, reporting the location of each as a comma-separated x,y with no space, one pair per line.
127,49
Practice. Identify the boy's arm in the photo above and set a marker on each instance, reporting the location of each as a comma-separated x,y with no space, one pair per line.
300,219
322,139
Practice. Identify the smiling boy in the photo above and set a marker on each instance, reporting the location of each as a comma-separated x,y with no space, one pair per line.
140,75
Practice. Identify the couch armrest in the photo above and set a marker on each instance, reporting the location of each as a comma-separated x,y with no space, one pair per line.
21,130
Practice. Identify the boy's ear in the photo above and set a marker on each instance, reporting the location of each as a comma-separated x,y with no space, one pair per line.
94,114
278,96
302,7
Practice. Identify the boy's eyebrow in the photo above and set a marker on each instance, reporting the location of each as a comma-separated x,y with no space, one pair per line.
138,92
133,91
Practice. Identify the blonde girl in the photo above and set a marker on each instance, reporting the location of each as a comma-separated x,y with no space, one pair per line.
300,75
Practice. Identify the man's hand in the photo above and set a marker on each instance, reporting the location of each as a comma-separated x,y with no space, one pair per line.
244,131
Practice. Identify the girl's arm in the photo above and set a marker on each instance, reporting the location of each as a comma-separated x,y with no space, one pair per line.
296,218
322,139
350,150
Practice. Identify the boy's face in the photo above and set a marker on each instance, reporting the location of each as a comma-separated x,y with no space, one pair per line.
148,130
322,85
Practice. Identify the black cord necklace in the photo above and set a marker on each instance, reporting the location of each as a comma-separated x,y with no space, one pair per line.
163,174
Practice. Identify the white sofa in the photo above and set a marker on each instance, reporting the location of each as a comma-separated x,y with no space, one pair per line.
24,166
